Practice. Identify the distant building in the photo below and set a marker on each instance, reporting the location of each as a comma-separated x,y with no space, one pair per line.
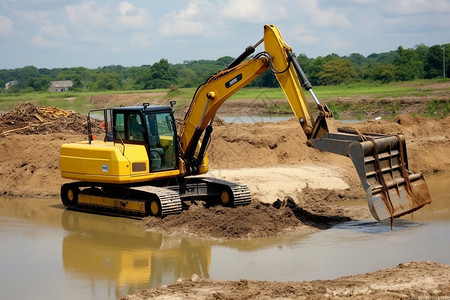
10,84
60,86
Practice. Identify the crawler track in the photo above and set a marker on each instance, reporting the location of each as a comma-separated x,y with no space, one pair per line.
160,201
169,200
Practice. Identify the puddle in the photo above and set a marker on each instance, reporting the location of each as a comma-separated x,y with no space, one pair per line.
49,252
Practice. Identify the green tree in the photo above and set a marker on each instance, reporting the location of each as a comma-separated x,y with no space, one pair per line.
39,83
384,73
313,70
407,65
108,81
86,79
337,71
187,77
422,52
69,74
305,64
433,64
267,79
357,59
224,61
159,75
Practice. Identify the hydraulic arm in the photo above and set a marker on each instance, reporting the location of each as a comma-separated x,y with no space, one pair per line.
380,160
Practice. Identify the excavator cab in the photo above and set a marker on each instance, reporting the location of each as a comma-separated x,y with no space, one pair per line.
151,126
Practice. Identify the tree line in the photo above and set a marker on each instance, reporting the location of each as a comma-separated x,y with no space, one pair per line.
420,62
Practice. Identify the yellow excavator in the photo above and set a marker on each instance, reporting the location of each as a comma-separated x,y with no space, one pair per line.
145,166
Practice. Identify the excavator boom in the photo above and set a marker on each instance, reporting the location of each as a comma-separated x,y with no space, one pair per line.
380,160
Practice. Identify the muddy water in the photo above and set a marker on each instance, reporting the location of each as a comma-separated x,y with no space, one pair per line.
48,252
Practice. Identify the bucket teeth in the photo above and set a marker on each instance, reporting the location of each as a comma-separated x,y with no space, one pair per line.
381,162
397,200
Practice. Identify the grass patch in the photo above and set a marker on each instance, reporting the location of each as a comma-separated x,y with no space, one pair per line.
339,106
279,108
259,94
438,108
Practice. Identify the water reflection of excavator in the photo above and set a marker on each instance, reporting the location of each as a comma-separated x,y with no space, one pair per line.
145,167
128,258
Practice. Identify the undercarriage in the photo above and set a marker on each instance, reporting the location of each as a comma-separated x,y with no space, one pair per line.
160,198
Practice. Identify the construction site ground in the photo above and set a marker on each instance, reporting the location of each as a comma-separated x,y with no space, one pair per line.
273,159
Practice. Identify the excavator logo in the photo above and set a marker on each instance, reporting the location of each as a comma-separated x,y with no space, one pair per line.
233,81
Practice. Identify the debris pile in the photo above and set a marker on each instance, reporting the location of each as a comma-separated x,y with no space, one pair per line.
29,118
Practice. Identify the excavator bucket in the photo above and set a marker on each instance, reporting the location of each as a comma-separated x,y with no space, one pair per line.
382,165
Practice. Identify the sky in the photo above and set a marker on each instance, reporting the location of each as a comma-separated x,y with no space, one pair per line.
91,34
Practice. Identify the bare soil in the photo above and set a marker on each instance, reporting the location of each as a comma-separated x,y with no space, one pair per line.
415,280
295,189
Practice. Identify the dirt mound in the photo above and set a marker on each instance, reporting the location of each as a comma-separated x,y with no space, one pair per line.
254,220
30,164
425,280
270,144
427,140
260,144
29,118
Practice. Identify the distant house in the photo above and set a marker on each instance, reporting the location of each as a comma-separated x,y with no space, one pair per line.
10,84
60,86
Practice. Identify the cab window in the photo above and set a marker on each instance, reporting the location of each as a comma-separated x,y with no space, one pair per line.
161,141
129,127
119,125
135,128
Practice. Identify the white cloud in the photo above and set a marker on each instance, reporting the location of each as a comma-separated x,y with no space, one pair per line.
55,31
411,7
123,17
184,22
214,18
326,17
302,35
41,42
336,43
131,17
50,36
6,26
253,11
141,40
86,14
32,16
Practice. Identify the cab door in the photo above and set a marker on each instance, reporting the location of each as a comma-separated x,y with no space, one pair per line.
162,141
